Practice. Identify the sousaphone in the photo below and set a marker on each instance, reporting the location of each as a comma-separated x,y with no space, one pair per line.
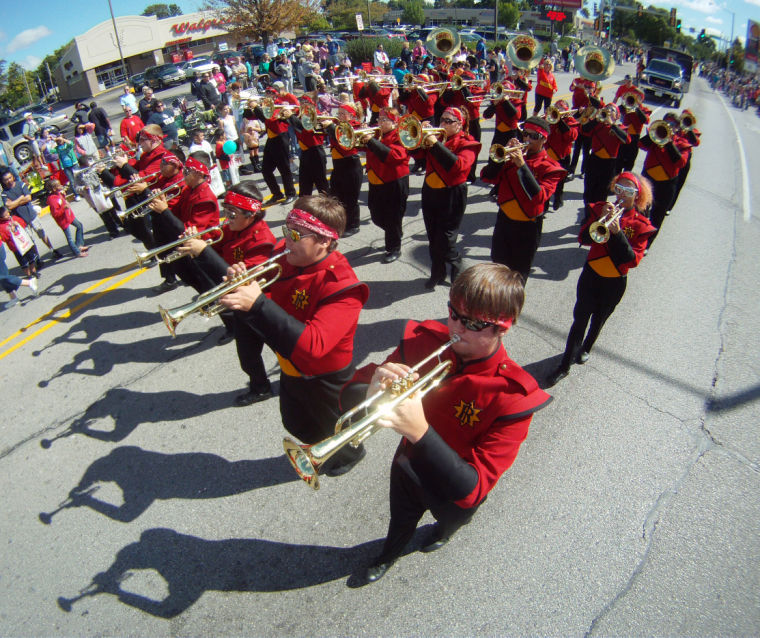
594,63
442,42
524,51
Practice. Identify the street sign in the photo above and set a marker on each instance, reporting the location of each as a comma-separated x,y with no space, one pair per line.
359,22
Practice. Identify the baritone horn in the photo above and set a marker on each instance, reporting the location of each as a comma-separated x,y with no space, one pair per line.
268,107
348,138
143,257
687,121
660,132
631,101
310,120
141,209
307,460
498,92
207,303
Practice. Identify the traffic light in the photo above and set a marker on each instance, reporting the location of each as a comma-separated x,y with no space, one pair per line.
678,25
673,17
701,36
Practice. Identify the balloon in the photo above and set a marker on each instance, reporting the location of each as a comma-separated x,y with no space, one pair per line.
229,147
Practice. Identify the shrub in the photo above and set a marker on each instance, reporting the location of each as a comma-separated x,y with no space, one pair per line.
363,49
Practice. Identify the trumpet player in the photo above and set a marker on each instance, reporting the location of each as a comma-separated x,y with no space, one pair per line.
388,177
507,111
309,318
687,140
584,96
524,183
606,139
602,281
458,439
421,104
444,192
559,144
312,169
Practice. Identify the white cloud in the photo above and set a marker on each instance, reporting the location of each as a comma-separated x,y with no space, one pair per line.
755,2
703,6
30,62
28,37
713,20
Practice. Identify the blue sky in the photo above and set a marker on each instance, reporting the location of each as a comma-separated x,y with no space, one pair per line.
29,32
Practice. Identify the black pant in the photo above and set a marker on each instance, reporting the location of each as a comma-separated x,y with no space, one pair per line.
564,162
663,193
276,156
596,298
515,243
139,227
582,146
346,184
387,205
627,154
249,346
312,171
442,212
475,131
681,180
541,100
408,502
599,174
110,221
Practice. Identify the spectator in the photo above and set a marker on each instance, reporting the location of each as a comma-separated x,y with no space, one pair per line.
221,83
166,121
11,283
380,58
17,199
332,51
13,233
30,132
145,104
64,217
223,159
88,183
128,99
209,94
227,123
480,50
81,111
84,145
103,131
284,70
130,126
68,159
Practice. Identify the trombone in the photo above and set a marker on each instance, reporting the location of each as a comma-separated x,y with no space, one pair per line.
499,153
411,132
307,460
141,209
143,257
599,231
457,82
207,303
498,92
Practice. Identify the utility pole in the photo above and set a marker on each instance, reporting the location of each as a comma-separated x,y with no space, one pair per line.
50,77
369,14
26,84
118,43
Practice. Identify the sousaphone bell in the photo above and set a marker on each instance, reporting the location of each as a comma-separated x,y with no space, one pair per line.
442,42
594,63
524,51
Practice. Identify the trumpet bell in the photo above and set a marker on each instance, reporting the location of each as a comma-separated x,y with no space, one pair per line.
687,121
442,42
410,132
309,117
599,233
594,63
524,51
660,132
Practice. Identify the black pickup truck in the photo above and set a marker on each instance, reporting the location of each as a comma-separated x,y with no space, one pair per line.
667,74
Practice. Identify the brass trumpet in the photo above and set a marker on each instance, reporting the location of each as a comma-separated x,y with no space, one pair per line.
268,107
142,209
498,92
348,138
660,132
631,101
143,257
307,460
148,179
499,153
411,132
599,231
207,303
310,120
554,115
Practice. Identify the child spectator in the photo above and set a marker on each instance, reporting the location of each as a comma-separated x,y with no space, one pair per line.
64,217
200,143
223,159
14,235
68,158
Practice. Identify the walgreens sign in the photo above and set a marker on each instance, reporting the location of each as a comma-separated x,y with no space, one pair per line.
202,26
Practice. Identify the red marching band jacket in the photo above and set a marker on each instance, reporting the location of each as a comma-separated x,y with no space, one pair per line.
482,409
381,170
505,120
522,193
147,164
252,245
309,139
605,144
162,183
636,228
662,163
197,207
634,121
275,125
465,147
418,102
561,137
581,88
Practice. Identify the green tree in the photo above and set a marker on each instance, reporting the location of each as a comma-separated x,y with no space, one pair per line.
342,13
263,19
162,10
414,12
15,94
509,15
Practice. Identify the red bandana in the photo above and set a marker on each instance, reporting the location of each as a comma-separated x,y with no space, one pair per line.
241,201
535,127
631,177
307,220
455,112
349,109
172,159
389,114
197,166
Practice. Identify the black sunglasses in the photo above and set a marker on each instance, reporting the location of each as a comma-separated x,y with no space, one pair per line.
474,325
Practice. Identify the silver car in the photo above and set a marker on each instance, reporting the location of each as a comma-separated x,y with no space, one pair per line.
10,132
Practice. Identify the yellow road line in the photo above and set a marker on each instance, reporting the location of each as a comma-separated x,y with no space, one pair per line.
68,312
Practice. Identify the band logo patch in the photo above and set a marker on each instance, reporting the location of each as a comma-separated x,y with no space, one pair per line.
238,254
628,231
467,413
300,299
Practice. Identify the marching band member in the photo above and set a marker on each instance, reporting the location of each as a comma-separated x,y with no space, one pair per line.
312,169
559,144
421,104
467,99
388,177
507,112
603,279
462,436
523,83
524,184
546,86
584,95
309,318
633,121
606,138
379,97
686,140
276,149
661,167
444,192
197,207
346,178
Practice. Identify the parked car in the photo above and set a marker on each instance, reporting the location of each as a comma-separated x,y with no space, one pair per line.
230,56
11,132
159,77
198,65
137,81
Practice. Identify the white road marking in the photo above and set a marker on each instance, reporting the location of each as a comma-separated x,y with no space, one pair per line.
746,213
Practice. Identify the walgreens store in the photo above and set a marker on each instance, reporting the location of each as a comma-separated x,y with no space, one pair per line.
92,63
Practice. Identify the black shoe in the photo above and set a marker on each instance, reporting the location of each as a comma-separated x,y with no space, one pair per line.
436,541
431,283
377,571
390,257
350,232
555,377
583,356
290,200
225,338
340,470
557,204
57,254
165,286
253,396
454,273
275,198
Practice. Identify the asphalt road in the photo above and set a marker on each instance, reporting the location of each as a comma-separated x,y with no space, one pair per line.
632,507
